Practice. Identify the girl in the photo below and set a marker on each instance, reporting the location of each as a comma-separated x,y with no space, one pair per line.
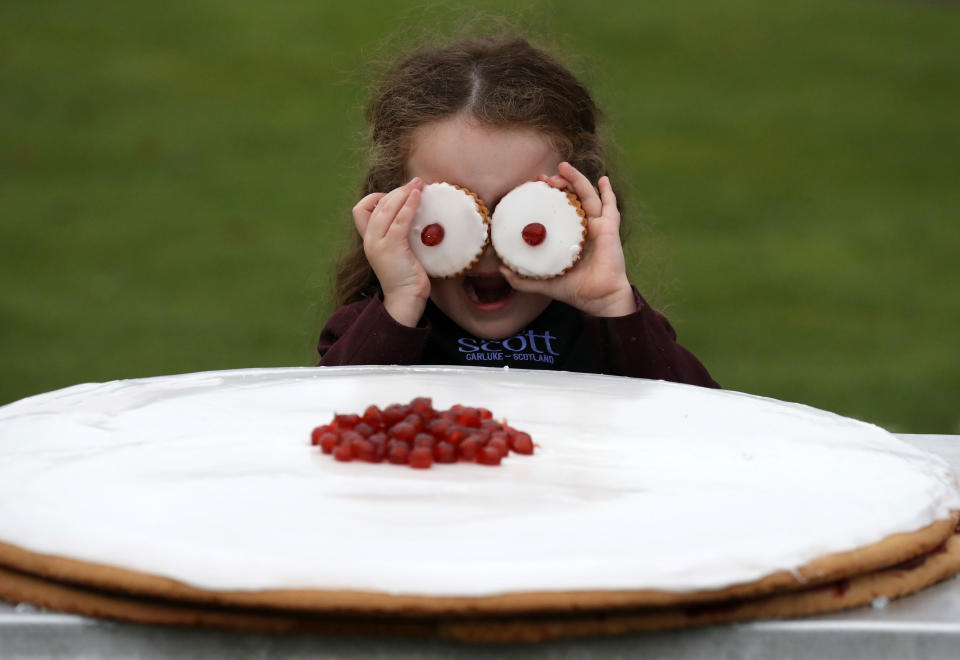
490,114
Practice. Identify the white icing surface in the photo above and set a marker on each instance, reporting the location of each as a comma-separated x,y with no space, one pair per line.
465,230
536,201
210,479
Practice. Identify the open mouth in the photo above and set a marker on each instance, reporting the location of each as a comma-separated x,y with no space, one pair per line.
487,289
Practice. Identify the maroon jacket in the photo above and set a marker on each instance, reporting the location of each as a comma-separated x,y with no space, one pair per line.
642,344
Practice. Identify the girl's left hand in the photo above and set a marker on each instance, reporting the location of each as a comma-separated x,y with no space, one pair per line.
598,284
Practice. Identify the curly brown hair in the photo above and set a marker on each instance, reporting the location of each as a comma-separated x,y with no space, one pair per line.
499,81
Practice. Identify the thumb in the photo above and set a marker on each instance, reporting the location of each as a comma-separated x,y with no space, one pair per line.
364,209
524,284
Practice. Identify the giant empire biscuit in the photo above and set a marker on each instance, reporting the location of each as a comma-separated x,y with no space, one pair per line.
204,489
887,583
533,626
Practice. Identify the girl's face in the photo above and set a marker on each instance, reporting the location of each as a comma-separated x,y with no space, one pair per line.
490,162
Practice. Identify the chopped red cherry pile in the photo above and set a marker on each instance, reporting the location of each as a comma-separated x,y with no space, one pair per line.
418,435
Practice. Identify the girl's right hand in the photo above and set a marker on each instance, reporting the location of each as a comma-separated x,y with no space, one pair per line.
383,220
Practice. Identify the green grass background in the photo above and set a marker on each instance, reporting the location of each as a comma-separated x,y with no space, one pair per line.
176,178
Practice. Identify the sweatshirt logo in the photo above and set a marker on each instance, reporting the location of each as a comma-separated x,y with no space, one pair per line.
522,347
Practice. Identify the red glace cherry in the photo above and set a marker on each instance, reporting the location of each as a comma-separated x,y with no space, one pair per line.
534,234
402,431
432,235
364,429
415,420
469,417
398,452
468,449
489,456
363,449
444,452
343,452
421,457
328,442
456,435
346,421
318,433
372,416
423,406
521,443
438,427
499,442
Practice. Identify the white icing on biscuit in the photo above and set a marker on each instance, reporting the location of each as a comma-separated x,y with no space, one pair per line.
210,479
536,201
464,230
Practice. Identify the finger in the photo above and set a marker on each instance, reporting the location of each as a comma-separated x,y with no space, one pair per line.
555,181
388,207
609,200
404,218
583,188
363,209
516,281
527,284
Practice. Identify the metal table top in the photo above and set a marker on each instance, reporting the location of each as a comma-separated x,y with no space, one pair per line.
924,625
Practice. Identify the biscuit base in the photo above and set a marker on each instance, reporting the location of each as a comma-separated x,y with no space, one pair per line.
887,552
892,582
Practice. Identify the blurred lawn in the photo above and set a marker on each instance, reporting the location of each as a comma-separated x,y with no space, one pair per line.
176,178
